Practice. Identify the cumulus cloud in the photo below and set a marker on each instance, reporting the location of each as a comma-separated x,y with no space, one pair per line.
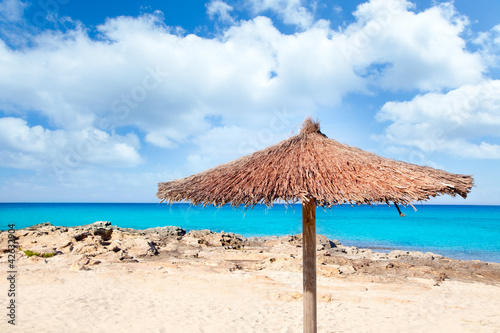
464,122
12,10
290,11
221,10
12,25
225,143
25,147
397,48
139,73
489,43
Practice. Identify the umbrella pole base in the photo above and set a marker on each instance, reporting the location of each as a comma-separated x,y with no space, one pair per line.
309,264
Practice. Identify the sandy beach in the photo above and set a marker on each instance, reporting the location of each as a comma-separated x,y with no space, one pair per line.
106,279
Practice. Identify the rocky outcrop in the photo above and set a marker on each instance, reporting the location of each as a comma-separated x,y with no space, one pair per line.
96,240
89,246
213,239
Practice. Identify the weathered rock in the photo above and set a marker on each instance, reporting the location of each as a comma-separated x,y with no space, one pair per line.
40,226
231,241
115,246
104,242
168,231
83,264
111,256
138,247
272,242
413,254
347,269
212,239
336,242
433,256
329,271
322,242
397,254
190,254
203,237
105,234
258,241
199,233
81,235
192,241
295,240
86,247
66,246
365,254
100,224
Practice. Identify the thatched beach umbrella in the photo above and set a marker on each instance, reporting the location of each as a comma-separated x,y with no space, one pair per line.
318,171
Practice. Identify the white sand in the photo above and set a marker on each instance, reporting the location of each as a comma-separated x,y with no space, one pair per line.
162,297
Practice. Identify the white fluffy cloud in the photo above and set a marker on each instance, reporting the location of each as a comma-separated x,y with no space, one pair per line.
25,147
291,11
141,74
12,10
399,49
221,10
489,42
464,122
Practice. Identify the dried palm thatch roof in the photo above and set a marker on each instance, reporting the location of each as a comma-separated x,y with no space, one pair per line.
311,165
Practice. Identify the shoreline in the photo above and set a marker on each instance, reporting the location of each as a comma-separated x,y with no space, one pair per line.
168,280
459,231
451,254
108,243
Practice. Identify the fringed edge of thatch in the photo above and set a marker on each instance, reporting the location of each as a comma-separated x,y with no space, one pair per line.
311,165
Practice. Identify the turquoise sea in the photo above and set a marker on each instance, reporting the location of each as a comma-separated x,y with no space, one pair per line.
461,232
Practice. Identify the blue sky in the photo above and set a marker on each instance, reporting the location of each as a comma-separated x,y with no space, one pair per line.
99,102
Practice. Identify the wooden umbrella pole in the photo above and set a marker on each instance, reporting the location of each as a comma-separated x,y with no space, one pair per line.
309,263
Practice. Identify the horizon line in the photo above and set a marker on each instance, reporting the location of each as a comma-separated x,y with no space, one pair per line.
259,204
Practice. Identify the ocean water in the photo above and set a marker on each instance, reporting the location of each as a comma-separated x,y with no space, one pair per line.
461,232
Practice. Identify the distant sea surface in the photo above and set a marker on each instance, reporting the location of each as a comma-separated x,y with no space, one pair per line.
460,232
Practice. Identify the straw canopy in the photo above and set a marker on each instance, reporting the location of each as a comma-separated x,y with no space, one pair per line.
310,165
